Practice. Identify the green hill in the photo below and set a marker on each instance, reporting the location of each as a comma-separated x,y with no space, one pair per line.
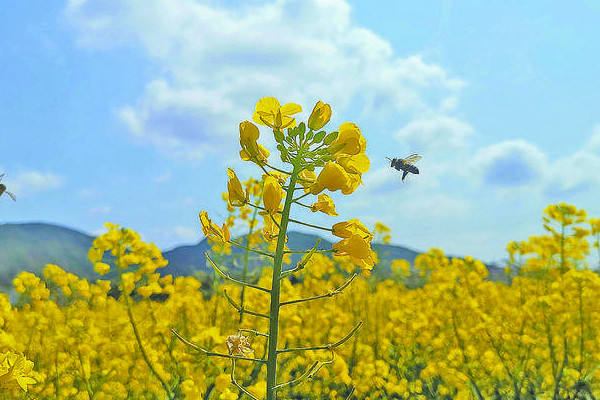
30,246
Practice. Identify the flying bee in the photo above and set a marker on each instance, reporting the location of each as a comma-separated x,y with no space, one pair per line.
3,190
405,164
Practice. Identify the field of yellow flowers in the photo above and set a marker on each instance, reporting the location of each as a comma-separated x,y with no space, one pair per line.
323,328
457,336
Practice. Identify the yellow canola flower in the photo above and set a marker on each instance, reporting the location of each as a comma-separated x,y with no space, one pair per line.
320,116
269,112
272,195
236,197
307,178
356,164
270,229
351,227
251,150
349,140
212,230
359,250
222,382
325,205
332,177
14,371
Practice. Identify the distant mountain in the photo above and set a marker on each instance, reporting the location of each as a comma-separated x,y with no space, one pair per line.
30,246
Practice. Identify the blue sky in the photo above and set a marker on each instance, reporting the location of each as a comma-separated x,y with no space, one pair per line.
127,111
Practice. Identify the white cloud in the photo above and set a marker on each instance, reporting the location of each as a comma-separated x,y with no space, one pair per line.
33,182
594,141
217,62
578,171
99,210
436,134
509,164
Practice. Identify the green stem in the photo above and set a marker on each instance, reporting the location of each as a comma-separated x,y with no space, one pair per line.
138,338
276,287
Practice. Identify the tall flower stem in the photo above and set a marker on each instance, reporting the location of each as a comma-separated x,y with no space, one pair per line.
276,286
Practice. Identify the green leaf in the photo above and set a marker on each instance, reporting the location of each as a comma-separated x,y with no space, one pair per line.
310,135
330,138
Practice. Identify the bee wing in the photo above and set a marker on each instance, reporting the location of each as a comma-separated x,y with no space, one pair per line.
413,158
1,175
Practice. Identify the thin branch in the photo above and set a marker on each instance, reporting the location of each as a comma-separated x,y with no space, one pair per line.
278,170
303,205
308,251
351,393
251,249
311,225
243,389
253,331
327,346
229,278
275,221
329,294
302,262
314,368
300,197
210,353
242,309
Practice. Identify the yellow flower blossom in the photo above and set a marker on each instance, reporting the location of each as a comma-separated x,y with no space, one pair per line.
349,140
351,227
14,371
325,205
320,116
358,249
332,177
270,113
272,195
251,150
236,195
210,229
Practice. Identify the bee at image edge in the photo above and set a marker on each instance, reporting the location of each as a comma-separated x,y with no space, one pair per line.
3,190
405,164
